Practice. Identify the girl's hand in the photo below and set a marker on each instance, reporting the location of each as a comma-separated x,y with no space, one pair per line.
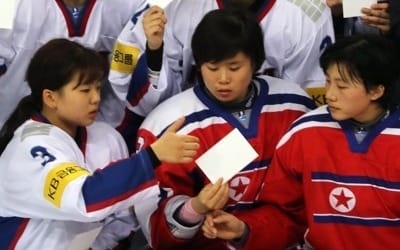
154,21
377,16
211,197
174,148
223,225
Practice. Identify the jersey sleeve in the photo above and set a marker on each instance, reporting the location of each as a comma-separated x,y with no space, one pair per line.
54,182
129,47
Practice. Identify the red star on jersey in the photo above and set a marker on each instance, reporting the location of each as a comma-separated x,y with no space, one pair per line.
342,199
238,186
241,186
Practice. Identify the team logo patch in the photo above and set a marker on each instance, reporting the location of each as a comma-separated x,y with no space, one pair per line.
58,178
342,199
124,58
317,94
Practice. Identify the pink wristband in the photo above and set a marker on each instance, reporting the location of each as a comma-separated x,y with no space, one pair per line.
187,213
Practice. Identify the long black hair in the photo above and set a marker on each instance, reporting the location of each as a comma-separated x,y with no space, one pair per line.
53,66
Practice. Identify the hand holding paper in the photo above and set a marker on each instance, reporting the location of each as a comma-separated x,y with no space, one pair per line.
227,157
211,197
377,16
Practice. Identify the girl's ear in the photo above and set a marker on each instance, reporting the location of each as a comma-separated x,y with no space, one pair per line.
49,98
377,92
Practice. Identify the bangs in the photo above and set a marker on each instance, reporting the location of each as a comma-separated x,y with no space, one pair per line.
90,76
348,72
91,71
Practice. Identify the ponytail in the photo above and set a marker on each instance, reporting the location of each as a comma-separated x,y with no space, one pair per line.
22,112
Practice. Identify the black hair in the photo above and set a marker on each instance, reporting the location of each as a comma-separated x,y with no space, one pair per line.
223,33
53,66
371,59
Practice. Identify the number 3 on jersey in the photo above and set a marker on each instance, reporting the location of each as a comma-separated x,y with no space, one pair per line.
42,153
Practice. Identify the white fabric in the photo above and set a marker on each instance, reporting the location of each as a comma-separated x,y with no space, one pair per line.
295,34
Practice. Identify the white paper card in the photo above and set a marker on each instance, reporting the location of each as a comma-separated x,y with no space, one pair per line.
227,157
7,12
84,240
352,8
161,3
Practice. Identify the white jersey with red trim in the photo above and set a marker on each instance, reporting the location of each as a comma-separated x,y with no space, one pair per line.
276,105
37,22
54,187
295,34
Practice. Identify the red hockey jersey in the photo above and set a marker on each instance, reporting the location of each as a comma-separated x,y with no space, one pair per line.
350,190
277,105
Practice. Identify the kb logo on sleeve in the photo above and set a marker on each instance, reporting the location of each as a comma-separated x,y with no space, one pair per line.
58,178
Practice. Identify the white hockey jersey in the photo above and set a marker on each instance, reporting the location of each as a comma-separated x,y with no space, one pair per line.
53,187
37,22
295,34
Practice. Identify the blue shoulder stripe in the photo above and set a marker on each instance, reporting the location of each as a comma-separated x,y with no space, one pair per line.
290,98
308,118
370,222
355,180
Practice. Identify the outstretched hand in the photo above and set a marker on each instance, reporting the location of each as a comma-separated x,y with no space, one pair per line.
174,148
